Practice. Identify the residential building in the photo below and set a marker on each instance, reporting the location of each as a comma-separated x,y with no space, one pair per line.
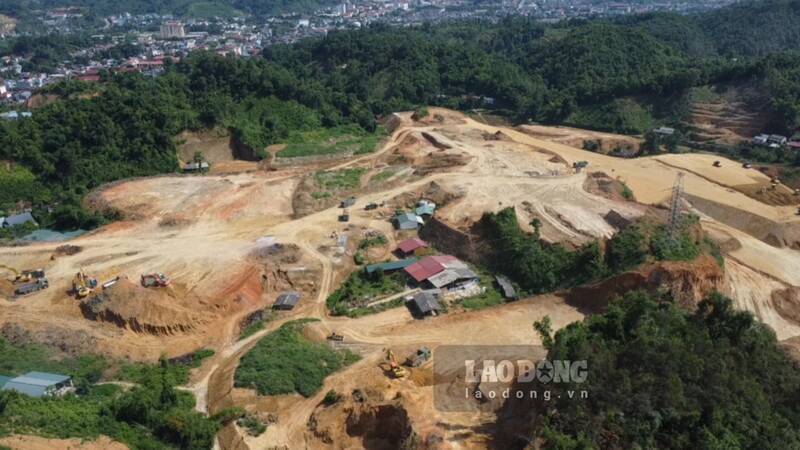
172,29
409,246
407,221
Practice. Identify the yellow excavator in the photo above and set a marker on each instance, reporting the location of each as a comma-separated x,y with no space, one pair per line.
396,369
82,285
27,276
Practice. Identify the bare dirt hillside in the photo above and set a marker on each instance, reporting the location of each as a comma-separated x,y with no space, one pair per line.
232,243
727,114
22,442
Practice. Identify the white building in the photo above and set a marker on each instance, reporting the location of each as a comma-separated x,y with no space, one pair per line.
172,29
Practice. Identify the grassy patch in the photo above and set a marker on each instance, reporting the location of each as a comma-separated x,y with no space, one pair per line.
286,362
490,297
340,179
330,141
353,296
18,359
376,241
252,329
627,193
383,175
320,195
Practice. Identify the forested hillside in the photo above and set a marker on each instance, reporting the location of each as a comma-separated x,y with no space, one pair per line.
605,74
662,377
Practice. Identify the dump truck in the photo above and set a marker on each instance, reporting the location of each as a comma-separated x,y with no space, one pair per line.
155,280
419,358
27,276
345,216
348,202
29,288
83,285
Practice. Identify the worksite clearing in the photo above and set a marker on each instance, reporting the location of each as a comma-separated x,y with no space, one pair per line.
231,243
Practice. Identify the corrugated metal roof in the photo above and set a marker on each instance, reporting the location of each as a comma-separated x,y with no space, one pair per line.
409,245
407,221
426,302
42,378
391,265
449,276
443,278
27,389
288,298
506,287
19,219
431,265
34,384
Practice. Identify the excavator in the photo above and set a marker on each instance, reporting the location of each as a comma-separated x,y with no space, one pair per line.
396,369
82,285
27,276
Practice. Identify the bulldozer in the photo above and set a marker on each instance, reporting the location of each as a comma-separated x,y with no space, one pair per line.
155,280
82,285
392,366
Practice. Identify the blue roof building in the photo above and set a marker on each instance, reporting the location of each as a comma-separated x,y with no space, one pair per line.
425,208
38,384
407,221
19,219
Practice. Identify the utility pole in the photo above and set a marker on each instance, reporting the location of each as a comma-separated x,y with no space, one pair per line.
676,204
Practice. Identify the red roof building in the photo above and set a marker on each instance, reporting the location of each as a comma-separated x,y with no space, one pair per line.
410,245
431,265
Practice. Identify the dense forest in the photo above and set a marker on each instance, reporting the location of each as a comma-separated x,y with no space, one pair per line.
662,377
540,268
584,73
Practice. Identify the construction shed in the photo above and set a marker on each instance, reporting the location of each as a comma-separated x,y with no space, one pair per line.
39,384
409,246
424,304
407,221
391,266
286,301
195,166
425,208
506,288
17,220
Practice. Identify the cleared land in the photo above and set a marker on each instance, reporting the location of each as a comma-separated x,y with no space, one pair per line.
212,234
